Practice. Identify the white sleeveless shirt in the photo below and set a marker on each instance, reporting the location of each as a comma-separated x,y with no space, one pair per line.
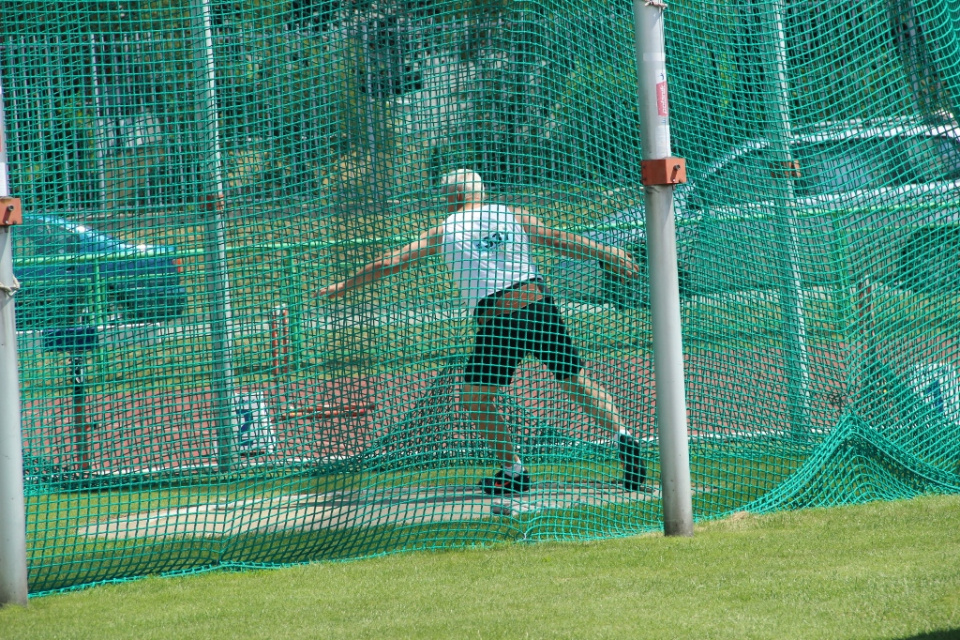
486,250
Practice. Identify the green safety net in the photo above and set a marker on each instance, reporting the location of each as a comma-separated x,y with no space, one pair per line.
194,172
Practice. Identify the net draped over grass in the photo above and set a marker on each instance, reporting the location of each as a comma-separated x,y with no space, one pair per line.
880,570
193,172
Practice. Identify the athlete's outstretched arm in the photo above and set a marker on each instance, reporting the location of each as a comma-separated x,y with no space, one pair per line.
574,245
426,245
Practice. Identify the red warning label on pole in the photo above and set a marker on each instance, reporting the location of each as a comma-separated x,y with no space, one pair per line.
663,107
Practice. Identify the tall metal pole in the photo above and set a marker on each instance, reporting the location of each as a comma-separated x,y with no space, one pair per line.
662,257
785,171
13,522
215,243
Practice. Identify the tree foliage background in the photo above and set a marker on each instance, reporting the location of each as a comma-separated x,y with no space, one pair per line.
321,96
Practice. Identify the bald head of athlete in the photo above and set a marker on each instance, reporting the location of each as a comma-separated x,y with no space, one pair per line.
460,187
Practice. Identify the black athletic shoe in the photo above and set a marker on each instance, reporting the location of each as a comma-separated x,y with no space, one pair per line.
501,483
634,469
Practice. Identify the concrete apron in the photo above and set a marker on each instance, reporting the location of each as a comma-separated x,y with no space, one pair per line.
408,505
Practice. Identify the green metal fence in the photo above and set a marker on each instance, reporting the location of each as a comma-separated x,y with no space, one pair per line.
193,173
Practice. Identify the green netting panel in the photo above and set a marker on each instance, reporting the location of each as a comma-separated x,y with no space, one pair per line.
194,173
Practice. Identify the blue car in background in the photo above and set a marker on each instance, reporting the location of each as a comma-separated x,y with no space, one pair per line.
63,265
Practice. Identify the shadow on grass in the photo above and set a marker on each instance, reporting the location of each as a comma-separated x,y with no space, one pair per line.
947,634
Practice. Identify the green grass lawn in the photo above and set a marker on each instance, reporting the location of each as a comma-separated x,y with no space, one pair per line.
882,570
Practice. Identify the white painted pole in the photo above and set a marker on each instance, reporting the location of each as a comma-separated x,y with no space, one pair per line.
215,244
13,523
664,282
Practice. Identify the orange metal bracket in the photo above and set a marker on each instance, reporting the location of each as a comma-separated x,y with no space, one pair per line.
663,171
786,170
11,211
212,203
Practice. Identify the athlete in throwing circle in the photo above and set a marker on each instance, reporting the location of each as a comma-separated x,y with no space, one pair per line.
487,249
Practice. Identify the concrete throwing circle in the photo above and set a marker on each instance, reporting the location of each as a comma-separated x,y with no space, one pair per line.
416,504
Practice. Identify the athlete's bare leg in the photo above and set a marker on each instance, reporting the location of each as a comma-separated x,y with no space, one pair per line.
480,402
595,401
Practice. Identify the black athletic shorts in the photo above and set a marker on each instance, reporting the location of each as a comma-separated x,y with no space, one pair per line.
503,341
